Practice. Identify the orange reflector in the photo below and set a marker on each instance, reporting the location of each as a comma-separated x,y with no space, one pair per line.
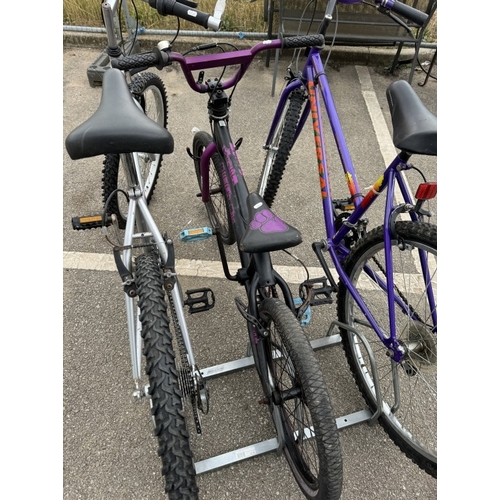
426,191
92,218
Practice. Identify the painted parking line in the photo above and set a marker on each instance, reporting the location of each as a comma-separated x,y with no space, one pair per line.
184,267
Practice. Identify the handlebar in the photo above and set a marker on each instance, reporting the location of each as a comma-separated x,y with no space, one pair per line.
160,58
185,10
414,15
404,10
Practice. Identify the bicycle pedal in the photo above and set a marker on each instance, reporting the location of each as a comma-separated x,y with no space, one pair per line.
89,222
306,317
199,233
199,300
321,292
345,204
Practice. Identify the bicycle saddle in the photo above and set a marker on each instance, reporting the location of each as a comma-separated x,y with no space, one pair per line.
118,125
266,232
414,126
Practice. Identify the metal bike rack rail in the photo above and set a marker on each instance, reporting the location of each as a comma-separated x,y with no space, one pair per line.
269,445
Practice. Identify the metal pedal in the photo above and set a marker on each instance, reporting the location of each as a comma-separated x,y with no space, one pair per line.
199,233
89,222
320,292
199,300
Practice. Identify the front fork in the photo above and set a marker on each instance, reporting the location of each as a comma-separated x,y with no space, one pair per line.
139,217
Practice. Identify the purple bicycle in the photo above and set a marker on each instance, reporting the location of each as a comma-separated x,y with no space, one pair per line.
293,387
387,276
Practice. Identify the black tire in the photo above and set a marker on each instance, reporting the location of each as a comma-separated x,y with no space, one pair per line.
278,151
413,427
170,424
217,207
316,462
149,91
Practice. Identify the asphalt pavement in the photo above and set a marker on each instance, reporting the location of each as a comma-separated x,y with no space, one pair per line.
109,445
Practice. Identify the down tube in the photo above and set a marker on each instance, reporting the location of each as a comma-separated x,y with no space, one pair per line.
319,144
336,127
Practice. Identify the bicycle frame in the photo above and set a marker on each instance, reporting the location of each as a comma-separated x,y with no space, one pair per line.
315,81
257,271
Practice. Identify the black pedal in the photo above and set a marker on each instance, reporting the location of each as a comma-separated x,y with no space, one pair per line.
89,222
318,290
199,300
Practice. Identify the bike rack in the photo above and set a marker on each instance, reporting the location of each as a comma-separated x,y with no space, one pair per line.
238,455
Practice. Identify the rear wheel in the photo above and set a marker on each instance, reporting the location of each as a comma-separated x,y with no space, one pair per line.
408,388
150,93
166,398
301,403
217,207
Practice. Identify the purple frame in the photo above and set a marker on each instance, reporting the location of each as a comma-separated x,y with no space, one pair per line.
313,71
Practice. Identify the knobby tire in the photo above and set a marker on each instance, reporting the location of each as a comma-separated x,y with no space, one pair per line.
167,410
316,462
278,151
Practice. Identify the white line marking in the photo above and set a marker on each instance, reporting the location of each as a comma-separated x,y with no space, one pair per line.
184,267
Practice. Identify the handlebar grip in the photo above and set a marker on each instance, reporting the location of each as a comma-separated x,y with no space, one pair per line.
178,9
410,13
297,42
136,61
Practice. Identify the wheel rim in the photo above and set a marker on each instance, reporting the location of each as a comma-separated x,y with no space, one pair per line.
414,421
152,104
272,151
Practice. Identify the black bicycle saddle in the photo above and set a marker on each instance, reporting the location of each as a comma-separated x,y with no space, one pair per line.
118,125
266,232
414,126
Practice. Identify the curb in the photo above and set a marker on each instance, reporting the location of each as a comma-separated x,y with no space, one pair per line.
341,55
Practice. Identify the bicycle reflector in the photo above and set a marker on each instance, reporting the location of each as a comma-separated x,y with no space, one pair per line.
426,191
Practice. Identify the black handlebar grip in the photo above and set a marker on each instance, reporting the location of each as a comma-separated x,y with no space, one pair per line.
410,13
178,9
144,60
297,42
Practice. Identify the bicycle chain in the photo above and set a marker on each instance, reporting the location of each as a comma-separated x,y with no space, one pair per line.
185,378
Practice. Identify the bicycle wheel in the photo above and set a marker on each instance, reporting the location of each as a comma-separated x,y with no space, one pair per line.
217,207
408,388
300,396
170,424
280,147
149,91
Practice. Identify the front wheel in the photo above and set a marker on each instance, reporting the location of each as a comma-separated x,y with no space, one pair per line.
149,91
300,399
217,207
408,388
281,144
166,398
